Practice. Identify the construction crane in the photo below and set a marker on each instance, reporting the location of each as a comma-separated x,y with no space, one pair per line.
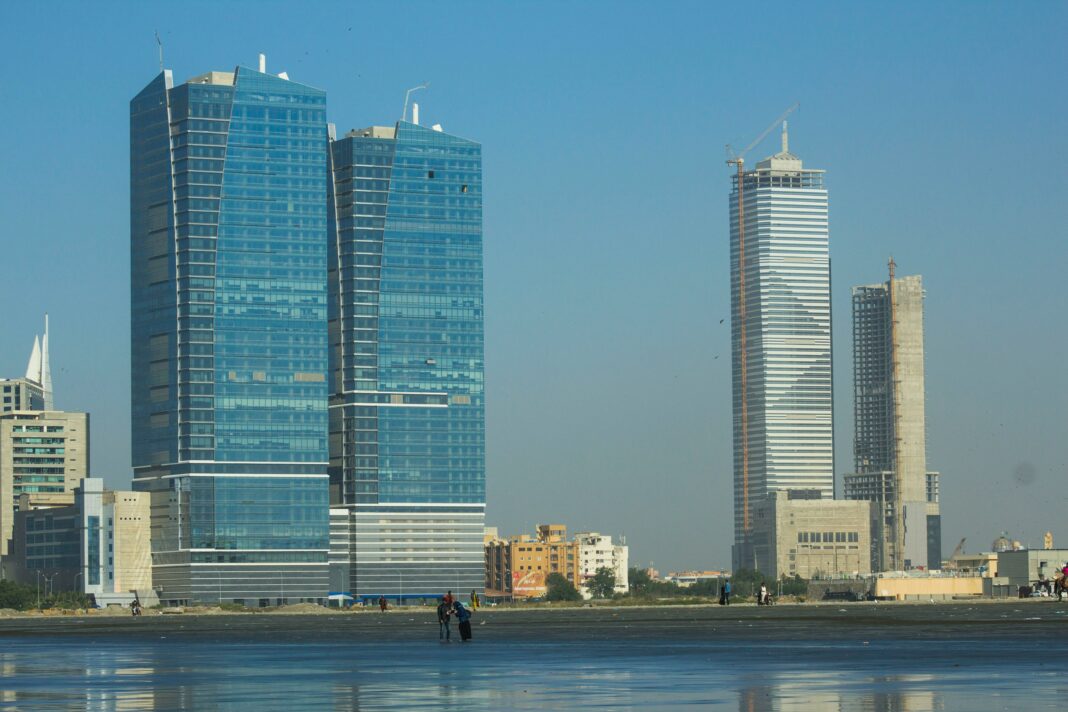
899,480
738,160
951,563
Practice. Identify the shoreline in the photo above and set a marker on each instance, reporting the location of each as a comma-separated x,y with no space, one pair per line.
311,609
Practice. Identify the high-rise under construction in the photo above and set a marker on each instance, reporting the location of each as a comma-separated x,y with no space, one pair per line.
889,447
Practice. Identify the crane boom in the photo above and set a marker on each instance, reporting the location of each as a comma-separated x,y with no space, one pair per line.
732,156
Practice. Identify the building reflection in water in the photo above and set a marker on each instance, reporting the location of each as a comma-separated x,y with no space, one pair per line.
823,691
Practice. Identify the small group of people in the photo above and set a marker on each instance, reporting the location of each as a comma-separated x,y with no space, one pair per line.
450,607
135,607
725,593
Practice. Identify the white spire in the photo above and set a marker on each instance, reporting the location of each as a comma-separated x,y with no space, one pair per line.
785,139
46,371
33,368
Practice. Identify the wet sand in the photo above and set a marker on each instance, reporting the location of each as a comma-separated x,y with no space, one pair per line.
859,656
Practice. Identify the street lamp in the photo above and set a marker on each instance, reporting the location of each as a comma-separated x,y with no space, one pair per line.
38,589
48,582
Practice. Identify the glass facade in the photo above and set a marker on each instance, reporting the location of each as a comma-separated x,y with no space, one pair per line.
789,433
407,412
229,331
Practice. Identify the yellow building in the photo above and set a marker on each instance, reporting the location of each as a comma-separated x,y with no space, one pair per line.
518,566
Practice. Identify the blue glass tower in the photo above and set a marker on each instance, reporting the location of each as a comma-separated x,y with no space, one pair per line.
228,212
407,417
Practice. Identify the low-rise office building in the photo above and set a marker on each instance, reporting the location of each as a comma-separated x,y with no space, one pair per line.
1027,566
795,533
97,545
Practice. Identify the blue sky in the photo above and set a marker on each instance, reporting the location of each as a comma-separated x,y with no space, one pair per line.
941,127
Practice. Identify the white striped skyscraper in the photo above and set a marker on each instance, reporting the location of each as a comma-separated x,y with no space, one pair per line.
781,338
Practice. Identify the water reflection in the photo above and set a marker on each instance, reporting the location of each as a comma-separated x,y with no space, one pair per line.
362,676
843,693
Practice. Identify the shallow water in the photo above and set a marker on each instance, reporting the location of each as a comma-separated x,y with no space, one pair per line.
858,657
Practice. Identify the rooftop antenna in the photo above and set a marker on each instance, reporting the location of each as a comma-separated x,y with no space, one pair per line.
160,43
408,94
46,370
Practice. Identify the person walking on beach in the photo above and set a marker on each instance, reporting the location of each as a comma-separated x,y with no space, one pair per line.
444,614
464,616
382,605
727,592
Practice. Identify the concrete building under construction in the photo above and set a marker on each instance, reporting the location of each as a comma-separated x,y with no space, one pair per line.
889,448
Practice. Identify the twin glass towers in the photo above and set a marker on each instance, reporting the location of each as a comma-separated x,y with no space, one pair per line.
306,333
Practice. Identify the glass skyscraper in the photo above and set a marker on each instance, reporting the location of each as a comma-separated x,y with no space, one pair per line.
407,418
785,438
228,211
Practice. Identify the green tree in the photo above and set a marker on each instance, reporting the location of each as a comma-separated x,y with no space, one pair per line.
17,596
603,583
67,599
708,588
558,588
746,582
639,580
795,586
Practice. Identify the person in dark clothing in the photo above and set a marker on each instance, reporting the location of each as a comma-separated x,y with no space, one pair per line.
444,614
382,605
464,616
727,592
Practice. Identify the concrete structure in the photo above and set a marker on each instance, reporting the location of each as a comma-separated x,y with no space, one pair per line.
597,551
1026,566
519,566
925,588
797,533
878,487
97,545
228,337
41,453
407,410
781,338
890,448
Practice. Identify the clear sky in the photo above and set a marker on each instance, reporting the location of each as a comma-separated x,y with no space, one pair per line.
941,126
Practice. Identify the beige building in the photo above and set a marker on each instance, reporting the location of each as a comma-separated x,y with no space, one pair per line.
928,588
42,453
98,545
797,534
518,566
20,394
